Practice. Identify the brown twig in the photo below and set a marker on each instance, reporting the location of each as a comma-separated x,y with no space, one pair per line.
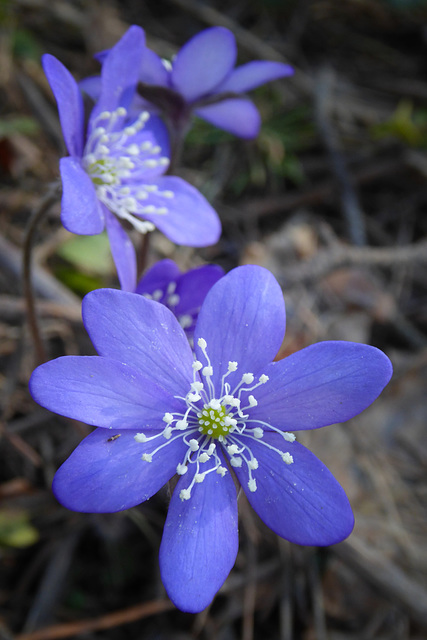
349,200
387,578
115,619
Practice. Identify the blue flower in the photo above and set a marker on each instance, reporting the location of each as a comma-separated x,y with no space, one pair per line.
203,74
225,409
202,80
117,165
182,293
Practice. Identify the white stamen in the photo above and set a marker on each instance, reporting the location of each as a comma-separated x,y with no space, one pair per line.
193,444
147,457
252,485
140,437
236,462
248,378
168,418
286,457
185,494
181,469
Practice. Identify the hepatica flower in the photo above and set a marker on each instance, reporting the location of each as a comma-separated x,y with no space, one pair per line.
182,293
202,79
226,409
116,164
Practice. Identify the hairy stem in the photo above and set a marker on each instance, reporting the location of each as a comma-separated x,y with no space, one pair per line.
47,202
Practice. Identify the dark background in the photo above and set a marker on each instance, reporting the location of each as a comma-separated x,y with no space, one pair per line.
331,197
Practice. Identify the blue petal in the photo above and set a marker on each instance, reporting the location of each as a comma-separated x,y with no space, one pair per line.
123,252
190,219
238,116
91,86
144,334
81,211
325,383
70,103
120,72
105,474
153,71
253,74
200,541
203,62
301,502
242,319
193,286
102,393
158,277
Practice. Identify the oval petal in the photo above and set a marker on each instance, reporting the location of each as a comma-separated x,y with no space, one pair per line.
203,62
322,384
238,116
101,392
81,211
242,320
70,103
200,540
106,473
145,334
301,502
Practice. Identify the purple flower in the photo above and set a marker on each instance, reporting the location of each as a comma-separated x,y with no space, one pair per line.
202,80
117,165
162,410
182,293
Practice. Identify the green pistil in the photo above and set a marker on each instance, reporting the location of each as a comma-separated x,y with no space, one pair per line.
101,173
212,422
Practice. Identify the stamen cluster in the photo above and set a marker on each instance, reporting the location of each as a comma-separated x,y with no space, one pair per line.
117,162
213,419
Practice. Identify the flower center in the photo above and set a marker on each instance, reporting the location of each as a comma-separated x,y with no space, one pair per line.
212,422
118,159
223,424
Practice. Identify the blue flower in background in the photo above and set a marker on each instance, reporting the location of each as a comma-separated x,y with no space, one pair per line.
182,293
161,410
203,74
202,80
116,165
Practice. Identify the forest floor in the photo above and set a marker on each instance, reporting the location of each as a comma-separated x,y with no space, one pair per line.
331,197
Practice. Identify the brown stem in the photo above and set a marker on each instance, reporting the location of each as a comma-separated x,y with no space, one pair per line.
48,201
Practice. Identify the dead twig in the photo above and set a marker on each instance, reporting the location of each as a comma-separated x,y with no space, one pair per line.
115,619
387,578
349,200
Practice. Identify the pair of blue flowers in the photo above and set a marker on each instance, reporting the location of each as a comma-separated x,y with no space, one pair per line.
185,383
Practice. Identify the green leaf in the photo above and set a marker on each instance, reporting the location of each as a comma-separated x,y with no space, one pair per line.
88,253
16,529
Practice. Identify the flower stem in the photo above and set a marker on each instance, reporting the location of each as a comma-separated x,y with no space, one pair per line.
47,202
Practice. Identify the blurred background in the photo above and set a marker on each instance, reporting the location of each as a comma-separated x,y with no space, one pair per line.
332,198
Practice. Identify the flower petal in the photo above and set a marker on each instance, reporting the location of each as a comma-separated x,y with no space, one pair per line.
238,116
81,211
158,277
301,502
144,334
120,72
190,220
105,473
70,103
242,319
200,540
323,384
123,252
153,71
101,392
203,62
193,286
91,86
253,74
